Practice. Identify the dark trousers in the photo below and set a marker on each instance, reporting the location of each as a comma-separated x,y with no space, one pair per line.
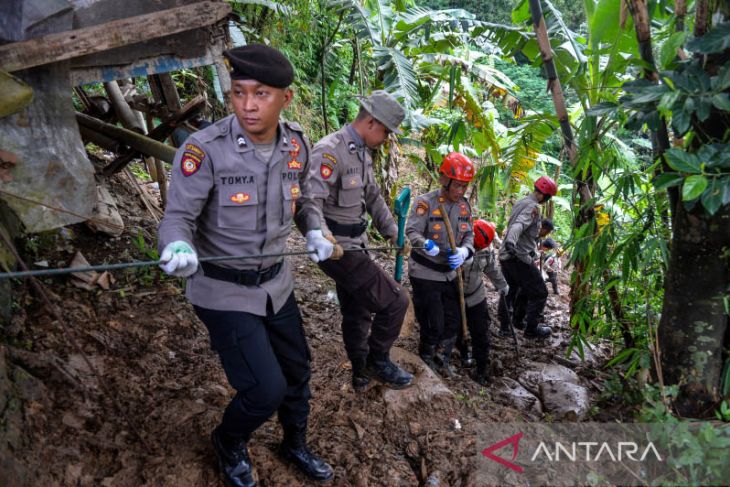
436,304
527,291
364,289
266,360
478,321
553,279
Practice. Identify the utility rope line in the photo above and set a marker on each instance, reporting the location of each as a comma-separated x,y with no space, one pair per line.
149,263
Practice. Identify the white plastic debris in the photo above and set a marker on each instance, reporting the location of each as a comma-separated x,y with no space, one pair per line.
457,425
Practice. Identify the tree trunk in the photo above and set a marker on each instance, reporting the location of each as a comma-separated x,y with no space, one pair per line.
693,331
694,323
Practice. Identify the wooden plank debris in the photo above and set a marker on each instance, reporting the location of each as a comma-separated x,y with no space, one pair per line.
79,42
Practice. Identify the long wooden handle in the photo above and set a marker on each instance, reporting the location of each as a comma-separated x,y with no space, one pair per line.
459,275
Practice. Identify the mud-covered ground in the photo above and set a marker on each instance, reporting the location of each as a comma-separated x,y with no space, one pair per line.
144,414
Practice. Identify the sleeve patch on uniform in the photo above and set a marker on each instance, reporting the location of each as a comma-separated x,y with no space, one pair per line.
190,163
464,227
330,158
326,170
421,208
535,212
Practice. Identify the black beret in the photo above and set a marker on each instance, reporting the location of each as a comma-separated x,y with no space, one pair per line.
262,63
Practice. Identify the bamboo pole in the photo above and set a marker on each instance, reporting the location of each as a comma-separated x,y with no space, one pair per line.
459,272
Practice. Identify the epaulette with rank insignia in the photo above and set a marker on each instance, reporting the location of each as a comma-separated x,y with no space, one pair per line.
218,129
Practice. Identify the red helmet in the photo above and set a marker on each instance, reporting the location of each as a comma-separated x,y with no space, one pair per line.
483,234
545,185
457,166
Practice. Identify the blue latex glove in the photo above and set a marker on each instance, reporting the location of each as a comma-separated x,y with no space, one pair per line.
431,248
457,258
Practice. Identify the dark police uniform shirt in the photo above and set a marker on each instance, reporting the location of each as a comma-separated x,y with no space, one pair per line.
344,187
224,200
426,222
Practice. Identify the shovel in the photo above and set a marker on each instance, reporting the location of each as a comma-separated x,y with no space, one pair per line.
400,207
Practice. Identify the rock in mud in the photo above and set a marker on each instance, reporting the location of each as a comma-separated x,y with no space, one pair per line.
427,387
513,392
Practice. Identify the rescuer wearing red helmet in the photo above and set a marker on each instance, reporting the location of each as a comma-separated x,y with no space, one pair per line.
518,254
477,314
432,269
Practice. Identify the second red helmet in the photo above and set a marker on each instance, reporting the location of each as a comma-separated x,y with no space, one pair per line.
483,234
457,166
545,185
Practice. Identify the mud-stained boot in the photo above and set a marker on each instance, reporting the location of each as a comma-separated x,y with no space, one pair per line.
538,332
379,367
428,355
467,359
505,330
360,380
445,368
482,374
294,450
233,461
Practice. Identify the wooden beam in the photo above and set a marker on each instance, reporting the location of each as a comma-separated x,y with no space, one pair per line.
142,143
80,42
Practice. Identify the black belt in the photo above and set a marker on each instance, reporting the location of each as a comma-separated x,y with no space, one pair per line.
430,264
243,278
351,230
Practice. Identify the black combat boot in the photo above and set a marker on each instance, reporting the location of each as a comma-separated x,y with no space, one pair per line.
482,374
537,332
428,355
233,460
445,369
294,450
359,379
467,359
379,367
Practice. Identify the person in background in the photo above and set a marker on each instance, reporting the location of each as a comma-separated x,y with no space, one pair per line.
475,295
517,256
551,263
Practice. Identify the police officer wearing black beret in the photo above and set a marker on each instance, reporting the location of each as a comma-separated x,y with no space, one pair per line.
234,190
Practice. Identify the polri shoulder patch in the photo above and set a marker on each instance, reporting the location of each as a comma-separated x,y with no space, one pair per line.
421,208
192,159
326,170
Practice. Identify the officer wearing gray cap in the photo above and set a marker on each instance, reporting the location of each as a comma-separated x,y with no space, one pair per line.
343,189
233,191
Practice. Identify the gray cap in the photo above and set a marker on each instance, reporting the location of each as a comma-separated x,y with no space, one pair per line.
385,109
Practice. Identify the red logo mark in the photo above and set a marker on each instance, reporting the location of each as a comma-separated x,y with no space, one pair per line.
514,440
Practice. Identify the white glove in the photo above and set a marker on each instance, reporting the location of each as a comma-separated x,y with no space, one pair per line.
317,243
180,260
457,258
504,291
430,247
